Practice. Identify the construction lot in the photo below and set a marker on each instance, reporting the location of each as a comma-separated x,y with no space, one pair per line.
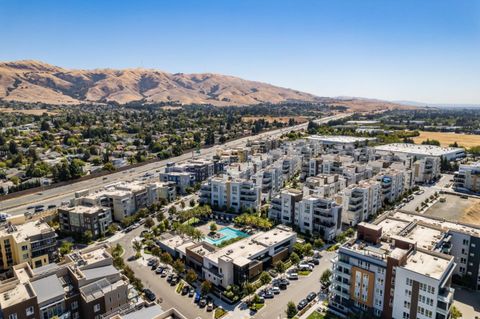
456,208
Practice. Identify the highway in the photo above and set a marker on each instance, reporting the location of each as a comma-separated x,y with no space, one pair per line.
55,196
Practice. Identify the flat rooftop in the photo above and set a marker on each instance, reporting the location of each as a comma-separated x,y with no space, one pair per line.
379,251
391,226
418,149
446,225
85,210
27,230
425,237
17,294
339,139
427,264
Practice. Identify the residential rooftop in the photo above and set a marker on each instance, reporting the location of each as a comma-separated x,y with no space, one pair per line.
27,230
427,264
339,139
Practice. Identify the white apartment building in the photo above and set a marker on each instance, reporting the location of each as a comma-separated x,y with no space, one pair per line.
229,193
361,201
427,169
393,184
324,185
468,177
319,216
282,206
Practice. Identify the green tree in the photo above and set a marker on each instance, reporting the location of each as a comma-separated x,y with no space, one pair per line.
149,223
88,236
166,258
325,279
65,248
265,278
191,276
455,313
318,243
295,258
291,309
137,246
280,267
213,227
206,287
179,266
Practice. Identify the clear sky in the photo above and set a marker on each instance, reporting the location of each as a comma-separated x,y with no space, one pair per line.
421,50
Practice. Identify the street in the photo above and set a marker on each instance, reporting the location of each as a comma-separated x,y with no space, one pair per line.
429,190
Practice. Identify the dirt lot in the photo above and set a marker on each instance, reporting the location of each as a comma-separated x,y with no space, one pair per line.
271,119
457,209
27,112
445,139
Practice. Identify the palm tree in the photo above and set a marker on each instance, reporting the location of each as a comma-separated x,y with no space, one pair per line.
137,246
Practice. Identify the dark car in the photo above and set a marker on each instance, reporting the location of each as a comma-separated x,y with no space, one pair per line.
311,296
197,297
302,304
185,290
169,278
191,292
316,261
268,294
51,206
131,258
174,281
202,303
159,270
151,262
149,294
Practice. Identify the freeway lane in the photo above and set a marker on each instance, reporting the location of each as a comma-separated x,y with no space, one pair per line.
57,195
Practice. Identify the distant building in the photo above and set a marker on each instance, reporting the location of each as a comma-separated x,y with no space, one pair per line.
361,201
319,216
420,151
282,206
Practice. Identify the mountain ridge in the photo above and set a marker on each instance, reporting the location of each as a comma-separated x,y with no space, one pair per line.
36,81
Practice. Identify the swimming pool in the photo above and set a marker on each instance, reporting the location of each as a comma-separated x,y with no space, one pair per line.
225,233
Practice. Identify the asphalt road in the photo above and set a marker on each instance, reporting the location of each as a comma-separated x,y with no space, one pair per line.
56,196
429,190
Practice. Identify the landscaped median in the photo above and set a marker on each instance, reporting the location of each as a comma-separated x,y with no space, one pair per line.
219,313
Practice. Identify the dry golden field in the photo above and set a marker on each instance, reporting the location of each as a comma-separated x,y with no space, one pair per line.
445,138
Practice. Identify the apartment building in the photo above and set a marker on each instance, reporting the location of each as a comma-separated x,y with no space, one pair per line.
438,235
30,242
199,169
79,219
427,169
86,285
230,194
390,279
121,202
319,216
356,172
324,185
232,155
361,201
393,184
282,206
339,142
270,180
182,180
468,178
242,260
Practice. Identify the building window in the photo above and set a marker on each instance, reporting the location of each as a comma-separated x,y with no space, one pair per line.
75,315
96,308
13,316
30,311
74,305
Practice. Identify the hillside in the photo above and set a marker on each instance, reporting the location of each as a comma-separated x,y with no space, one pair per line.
33,81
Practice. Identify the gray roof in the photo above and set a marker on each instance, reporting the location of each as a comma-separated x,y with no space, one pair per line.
48,289
100,272
145,313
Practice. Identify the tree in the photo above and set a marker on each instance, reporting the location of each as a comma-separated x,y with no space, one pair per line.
182,204
248,289
108,166
265,278
318,243
179,266
213,227
88,236
455,313
325,279
295,258
137,246
156,251
206,287
65,248
192,202
149,223
291,309
112,229
166,258
172,210
191,276
280,267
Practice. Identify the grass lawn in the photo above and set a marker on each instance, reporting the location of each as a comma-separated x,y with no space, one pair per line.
315,315
256,306
191,221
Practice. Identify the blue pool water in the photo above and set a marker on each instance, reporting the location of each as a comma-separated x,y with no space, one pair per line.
226,234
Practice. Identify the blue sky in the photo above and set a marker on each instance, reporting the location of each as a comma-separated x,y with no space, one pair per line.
424,50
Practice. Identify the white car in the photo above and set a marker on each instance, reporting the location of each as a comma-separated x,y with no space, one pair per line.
292,276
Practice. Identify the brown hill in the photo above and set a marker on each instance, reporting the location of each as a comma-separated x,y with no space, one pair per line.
33,81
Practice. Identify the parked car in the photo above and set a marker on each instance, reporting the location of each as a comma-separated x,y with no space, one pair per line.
210,306
151,262
268,294
202,303
185,290
292,276
174,281
191,292
302,304
149,294
164,273
51,206
131,258
159,270
169,278
276,290
197,297
311,296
